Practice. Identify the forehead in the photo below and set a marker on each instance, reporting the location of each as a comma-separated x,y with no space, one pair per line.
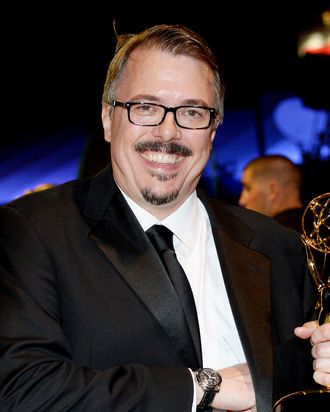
250,179
246,175
156,72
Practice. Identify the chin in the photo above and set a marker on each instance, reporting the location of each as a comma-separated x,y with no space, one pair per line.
157,198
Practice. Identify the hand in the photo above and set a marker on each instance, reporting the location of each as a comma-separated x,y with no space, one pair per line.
320,340
236,380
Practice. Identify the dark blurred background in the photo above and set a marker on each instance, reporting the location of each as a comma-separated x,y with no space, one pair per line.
55,58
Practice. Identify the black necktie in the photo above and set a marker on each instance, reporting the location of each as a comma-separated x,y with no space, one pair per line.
162,239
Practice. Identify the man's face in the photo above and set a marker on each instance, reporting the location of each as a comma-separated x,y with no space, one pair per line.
255,193
156,179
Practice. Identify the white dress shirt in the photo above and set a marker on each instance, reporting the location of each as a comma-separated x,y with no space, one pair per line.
195,250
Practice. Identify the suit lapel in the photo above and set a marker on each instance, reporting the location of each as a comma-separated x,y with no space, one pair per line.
246,274
123,241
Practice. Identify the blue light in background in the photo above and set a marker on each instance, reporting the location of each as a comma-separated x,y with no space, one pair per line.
289,128
53,160
301,127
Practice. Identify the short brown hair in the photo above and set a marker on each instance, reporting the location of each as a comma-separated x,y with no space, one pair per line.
174,39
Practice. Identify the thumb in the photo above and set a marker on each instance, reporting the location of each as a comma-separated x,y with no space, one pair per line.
305,331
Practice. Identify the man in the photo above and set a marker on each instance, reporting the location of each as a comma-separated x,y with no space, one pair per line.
271,185
90,320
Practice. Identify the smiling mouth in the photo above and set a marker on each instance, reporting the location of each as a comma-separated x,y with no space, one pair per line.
163,158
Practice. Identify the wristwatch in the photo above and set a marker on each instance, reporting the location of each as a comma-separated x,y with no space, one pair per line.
209,380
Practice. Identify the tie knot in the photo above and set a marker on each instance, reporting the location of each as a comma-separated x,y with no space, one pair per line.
161,237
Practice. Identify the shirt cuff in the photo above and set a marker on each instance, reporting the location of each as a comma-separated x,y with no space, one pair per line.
194,406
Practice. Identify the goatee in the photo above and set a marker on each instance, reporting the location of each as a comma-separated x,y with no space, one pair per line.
158,200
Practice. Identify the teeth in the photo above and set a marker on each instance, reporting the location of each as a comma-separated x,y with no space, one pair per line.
161,158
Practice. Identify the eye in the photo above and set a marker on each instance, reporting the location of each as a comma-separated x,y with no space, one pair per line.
194,113
145,109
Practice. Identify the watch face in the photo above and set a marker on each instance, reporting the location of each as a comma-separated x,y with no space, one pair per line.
209,377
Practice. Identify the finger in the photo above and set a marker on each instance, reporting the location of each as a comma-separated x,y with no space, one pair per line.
305,331
321,334
322,351
322,378
322,365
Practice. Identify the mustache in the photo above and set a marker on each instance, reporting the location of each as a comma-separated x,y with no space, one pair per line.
156,146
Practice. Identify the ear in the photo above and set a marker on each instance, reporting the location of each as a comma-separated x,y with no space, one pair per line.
273,188
106,121
213,134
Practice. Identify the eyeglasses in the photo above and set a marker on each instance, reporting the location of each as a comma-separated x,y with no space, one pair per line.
152,114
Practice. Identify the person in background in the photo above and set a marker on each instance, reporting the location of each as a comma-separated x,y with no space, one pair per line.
90,319
271,185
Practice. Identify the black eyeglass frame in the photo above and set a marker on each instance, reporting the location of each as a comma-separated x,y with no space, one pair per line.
128,105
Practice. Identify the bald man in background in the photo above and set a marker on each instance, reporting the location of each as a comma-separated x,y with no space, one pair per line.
271,185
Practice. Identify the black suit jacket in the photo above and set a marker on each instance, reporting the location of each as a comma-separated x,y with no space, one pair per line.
90,322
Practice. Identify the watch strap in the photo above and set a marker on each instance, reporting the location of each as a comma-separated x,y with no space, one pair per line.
204,404
204,409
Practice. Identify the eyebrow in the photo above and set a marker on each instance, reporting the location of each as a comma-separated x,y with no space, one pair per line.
145,98
154,99
195,102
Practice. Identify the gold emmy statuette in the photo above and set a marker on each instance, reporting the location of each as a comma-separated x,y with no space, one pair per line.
316,238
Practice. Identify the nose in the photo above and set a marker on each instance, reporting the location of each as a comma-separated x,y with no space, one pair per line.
241,200
168,129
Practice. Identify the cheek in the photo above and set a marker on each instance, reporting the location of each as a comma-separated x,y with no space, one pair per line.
202,146
261,200
254,197
201,154
124,136
123,133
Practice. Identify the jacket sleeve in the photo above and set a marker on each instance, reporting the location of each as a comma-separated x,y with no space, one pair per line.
37,369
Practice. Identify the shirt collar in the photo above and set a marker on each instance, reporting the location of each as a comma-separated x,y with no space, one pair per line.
182,222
